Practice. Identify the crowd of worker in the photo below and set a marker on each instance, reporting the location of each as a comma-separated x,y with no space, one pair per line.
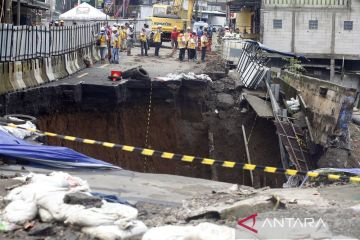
121,37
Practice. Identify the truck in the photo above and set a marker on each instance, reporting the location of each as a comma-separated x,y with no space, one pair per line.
169,16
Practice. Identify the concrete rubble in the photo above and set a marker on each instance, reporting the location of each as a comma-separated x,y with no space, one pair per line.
63,204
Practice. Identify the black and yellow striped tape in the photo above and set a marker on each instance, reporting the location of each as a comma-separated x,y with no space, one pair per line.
190,159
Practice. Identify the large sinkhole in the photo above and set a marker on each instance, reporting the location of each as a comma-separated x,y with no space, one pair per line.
187,117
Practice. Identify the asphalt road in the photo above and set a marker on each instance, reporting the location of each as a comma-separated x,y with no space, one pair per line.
155,66
135,186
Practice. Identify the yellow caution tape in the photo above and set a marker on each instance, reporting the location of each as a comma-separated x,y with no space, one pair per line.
188,158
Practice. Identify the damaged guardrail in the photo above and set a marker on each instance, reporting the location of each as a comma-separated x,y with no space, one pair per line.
192,159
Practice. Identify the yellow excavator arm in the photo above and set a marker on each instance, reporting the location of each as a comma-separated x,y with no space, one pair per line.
169,16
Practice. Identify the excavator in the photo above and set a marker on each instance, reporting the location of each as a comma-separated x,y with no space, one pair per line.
169,16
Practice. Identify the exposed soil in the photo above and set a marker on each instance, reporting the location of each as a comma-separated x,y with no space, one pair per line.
181,122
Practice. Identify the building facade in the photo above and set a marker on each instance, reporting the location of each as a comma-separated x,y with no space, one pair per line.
327,32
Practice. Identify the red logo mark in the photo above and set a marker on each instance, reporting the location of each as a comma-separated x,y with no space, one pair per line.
253,217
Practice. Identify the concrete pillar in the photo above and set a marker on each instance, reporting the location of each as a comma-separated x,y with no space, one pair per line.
332,70
293,29
8,11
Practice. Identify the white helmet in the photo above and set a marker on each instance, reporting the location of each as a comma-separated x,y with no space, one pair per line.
102,29
226,27
114,29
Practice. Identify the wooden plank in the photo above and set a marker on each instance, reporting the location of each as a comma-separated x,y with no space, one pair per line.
247,154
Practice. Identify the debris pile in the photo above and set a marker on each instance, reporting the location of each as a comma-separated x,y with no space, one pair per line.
184,76
45,195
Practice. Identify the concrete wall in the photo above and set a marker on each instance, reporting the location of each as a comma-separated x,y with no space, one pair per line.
329,39
279,39
323,111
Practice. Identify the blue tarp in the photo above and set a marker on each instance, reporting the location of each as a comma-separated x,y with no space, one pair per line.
61,157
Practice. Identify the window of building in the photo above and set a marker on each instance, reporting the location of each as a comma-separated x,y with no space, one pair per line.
313,24
277,23
348,25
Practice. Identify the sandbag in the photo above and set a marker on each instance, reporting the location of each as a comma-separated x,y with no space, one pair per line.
108,214
113,232
19,211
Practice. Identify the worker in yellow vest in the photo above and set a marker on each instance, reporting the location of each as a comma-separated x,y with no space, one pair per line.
101,42
123,37
143,42
192,46
157,40
187,35
182,45
115,46
204,42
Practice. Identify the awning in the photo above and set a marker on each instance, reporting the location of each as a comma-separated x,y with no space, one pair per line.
261,107
51,156
237,5
34,4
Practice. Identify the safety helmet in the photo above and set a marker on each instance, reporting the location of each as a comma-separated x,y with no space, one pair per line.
114,29
159,26
102,29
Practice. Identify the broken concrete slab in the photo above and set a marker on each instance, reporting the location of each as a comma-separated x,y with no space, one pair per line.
260,106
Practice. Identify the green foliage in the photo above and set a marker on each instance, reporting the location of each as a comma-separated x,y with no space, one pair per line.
294,65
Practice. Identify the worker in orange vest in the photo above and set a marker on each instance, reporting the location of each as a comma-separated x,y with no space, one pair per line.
182,45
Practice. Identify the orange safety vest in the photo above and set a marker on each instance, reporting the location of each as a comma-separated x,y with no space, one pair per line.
181,41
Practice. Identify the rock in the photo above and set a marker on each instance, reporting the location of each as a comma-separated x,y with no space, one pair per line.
334,158
170,220
83,199
41,229
225,101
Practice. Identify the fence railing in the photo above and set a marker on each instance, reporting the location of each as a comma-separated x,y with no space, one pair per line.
307,3
28,42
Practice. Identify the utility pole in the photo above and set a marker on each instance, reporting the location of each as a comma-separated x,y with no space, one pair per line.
8,15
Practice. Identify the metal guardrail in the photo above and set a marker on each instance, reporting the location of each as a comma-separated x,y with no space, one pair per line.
28,42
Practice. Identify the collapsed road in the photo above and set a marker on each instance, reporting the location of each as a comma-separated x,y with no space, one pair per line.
197,117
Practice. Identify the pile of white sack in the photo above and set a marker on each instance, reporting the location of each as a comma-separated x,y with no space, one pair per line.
43,196
17,132
293,104
184,76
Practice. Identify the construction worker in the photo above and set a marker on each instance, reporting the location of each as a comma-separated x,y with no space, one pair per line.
102,40
182,45
204,43
192,46
115,46
148,35
157,40
187,35
143,42
174,40
123,37
129,39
